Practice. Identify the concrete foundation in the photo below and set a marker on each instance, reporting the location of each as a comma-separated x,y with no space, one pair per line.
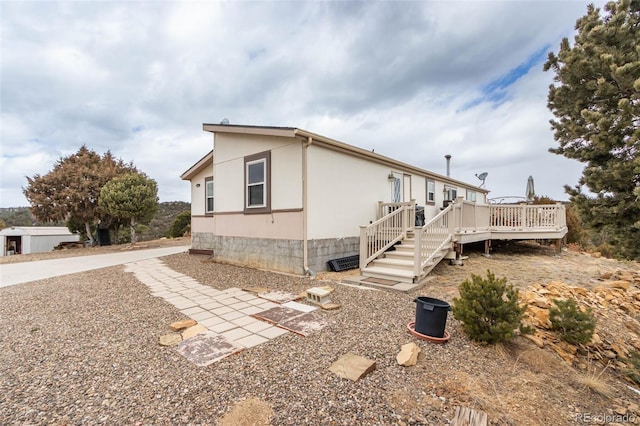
321,251
273,254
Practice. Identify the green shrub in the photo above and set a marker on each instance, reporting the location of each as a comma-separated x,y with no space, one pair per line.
181,224
573,325
633,371
489,309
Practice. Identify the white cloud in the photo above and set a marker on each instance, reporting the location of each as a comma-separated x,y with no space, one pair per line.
403,78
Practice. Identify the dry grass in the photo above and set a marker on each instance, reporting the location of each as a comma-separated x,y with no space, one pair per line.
594,381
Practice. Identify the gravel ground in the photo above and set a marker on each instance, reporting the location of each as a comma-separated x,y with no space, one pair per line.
82,349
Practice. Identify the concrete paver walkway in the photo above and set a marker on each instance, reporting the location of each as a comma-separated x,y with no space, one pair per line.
225,312
17,273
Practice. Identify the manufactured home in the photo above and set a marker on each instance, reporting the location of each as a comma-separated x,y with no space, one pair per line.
33,239
285,199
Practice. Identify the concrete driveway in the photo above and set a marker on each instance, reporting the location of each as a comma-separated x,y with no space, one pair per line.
17,273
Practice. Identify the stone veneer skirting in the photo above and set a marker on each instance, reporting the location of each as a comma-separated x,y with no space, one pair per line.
273,254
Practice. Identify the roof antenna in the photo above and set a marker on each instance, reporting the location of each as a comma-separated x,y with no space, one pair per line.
225,121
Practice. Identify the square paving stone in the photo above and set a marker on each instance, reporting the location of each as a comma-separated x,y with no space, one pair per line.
200,316
239,305
222,327
236,333
279,296
299,306
213,321
232,315
251,341
222,310
211,305
246,297
305,324
207,348
251,310
277,314
181,302
244,320
272,332
192,311
257,326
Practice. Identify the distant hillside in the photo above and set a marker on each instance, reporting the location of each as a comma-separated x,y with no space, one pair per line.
161,223
21,216
159,226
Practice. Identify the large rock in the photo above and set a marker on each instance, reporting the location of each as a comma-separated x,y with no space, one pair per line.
170,339
535,339
192,331
408,354
540,317
621,284
563,354
179,325
352,367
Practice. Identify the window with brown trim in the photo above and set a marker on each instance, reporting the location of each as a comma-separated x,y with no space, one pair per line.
208,195
257,183
431,191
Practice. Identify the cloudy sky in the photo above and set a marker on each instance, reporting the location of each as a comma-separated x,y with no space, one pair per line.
412,80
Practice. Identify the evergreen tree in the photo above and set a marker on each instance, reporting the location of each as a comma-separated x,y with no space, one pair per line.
132,196
596,102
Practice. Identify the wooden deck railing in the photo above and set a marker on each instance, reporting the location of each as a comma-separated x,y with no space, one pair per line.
431,238
528,217
392,227
396,219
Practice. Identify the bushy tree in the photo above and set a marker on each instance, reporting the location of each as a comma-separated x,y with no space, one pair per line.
181,224
71,190
573,325
596,102
132,196
489,309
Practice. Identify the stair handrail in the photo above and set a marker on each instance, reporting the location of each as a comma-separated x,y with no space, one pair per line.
432,237
379,236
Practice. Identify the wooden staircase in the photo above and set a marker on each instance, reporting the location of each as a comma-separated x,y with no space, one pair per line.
397,264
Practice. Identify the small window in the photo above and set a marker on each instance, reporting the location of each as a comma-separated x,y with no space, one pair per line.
471,195
431,191
208,194
257,190
450,193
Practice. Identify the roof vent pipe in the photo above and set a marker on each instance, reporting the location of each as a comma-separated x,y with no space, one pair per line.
448,157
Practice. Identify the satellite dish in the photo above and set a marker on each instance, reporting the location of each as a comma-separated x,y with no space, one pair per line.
482,176
224,121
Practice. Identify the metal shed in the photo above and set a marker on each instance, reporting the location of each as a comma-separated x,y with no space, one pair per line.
33,239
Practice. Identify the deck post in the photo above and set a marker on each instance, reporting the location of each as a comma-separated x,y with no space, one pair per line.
417,252
559,246
363,247
487,247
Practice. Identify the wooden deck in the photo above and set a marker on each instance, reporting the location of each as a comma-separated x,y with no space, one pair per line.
422,248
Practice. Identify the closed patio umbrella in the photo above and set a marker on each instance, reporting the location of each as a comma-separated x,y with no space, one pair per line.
530,193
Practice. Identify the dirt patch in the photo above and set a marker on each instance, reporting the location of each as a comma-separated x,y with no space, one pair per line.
250,412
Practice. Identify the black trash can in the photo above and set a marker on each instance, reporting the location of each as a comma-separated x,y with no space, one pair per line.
431,316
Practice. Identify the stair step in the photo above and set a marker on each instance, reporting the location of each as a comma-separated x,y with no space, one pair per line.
388,273
406,264
398,255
